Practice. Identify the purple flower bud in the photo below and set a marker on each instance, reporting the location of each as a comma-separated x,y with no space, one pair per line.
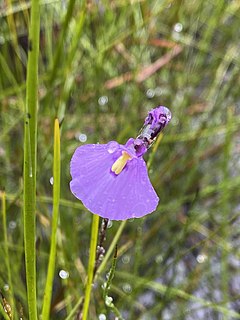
158,116
156,120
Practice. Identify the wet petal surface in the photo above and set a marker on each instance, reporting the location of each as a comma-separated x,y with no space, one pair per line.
116,197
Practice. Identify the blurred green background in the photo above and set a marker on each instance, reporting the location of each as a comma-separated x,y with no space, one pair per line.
100,71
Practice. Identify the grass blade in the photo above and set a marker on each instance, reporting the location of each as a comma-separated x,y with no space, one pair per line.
5,239
30,159
56,198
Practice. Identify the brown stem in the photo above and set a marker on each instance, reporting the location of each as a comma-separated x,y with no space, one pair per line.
99,256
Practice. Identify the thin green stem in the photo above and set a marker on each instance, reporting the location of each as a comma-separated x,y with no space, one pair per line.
59,49
56,198
74,309
225,230
30,159
91,264
5,239
176,292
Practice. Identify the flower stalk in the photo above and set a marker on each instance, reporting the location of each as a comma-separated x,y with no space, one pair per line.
91,265
56,198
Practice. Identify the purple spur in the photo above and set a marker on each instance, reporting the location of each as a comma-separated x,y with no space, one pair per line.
111,179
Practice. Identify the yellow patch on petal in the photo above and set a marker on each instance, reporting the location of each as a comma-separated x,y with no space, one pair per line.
121,162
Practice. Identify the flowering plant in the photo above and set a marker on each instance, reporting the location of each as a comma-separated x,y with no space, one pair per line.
111,179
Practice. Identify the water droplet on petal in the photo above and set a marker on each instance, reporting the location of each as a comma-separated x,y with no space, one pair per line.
112,146
63,274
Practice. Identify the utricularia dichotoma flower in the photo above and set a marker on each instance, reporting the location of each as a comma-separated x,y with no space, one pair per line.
111,179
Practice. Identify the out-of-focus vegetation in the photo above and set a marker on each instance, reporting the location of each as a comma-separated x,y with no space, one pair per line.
102,66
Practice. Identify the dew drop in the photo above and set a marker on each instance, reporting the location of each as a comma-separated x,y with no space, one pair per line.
63,274
159,258
12,224
201,258
178,27
110,223
108,301
103,100
112,146
127,288
82,137
150,93
126,259
6,287
51,181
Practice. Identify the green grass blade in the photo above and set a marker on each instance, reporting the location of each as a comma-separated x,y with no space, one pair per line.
5,239
56,198
30,159
176,292
74,309
3,313
64,29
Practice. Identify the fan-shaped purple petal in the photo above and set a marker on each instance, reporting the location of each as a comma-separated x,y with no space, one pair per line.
116,197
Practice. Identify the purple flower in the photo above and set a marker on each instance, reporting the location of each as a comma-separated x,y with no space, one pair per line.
111,179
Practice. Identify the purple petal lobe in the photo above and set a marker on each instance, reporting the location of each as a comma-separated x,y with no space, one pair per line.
116,197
